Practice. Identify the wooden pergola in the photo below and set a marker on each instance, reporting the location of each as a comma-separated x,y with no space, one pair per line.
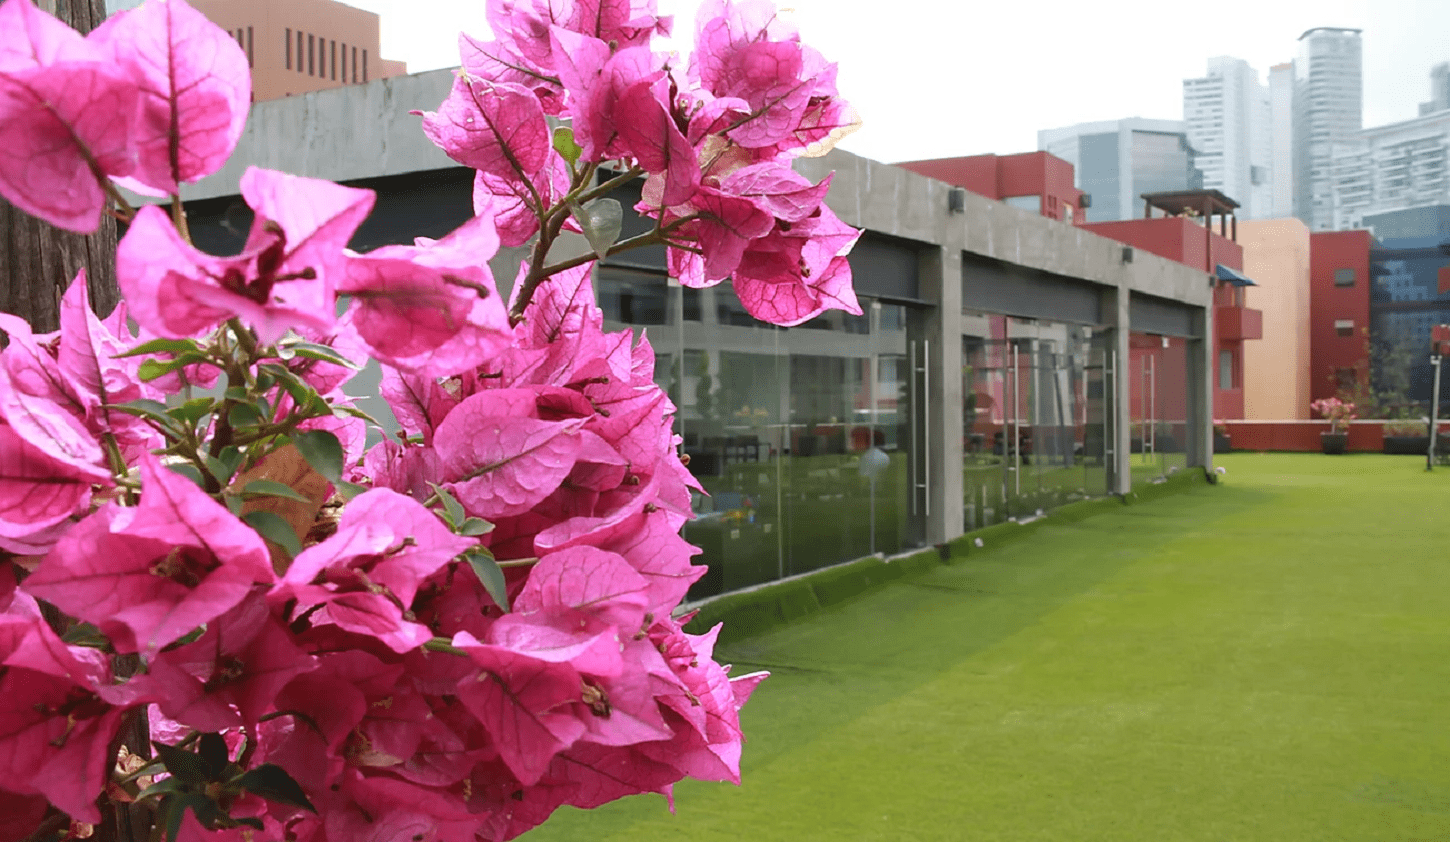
1204,204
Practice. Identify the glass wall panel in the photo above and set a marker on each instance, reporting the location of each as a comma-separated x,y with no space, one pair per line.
801,437
1158,405
1034,416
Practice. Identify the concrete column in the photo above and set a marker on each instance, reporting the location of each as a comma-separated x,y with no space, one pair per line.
1122,393
940,279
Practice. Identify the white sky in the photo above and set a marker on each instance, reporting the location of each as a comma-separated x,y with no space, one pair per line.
958,77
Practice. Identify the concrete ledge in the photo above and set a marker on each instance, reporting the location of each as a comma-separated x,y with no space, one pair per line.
759,609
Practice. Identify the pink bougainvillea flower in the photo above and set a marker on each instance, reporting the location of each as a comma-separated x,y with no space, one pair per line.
149,575
196,88
746,51
67,119
510,201
498,463
89,358
57,717
525,25
385,543
41,405
496,60
491,126
284,277
433,306
36,492
647,128
232,674
524,703
800,271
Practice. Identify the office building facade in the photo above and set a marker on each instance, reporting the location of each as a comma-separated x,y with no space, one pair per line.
1389,168
1117,161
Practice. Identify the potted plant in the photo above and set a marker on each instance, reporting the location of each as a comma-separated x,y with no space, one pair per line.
1221,441
1339,413
1407,436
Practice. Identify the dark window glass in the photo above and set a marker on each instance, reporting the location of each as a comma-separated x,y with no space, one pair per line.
311,56
251,62
1344,277
634,298
332,49
287,49
301,45
365,65
354,65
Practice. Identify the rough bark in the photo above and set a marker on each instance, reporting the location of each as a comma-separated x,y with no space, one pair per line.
38,260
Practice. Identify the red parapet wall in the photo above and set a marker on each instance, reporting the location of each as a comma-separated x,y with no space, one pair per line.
1303,436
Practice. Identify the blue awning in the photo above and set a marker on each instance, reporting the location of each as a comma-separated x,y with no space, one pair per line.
1226,274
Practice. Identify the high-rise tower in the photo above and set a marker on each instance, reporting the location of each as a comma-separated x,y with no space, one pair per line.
1328,95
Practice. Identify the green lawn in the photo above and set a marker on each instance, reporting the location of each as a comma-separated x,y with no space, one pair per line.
1267,659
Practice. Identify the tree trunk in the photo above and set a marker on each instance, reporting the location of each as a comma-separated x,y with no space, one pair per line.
38,260
37,264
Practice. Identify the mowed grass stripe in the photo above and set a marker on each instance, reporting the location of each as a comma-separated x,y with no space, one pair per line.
1263,660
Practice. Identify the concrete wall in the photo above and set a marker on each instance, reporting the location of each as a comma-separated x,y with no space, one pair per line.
1277,367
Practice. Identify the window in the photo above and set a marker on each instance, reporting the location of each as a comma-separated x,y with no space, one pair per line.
300,45
1344,277
365,65
354,65
1225,369
332,50
311,56
287,49
250,61
1344,327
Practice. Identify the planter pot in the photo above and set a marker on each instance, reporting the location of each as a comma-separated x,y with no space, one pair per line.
1333,443
1407,445
1222,444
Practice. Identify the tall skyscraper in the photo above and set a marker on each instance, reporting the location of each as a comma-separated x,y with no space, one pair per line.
1229,125
1439,90
1281,140
1117,161
1328,93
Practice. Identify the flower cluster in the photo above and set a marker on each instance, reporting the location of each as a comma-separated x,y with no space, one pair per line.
453,632
1338,412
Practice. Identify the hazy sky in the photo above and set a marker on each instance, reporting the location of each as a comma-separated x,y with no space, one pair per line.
933,79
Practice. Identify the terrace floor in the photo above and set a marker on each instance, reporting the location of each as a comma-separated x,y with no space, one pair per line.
1266,659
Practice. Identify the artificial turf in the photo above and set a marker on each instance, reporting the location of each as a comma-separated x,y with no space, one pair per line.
1265,659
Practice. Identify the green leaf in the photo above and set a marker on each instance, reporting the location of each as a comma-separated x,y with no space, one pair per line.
175,807
85,634
235,504
601,220
235,393
172,784
474,527
566,147
342,410
274,784
322,451
154,410
218,469
192,411
490,574
270,488
348,490
188,470
452,509
187,767
321,353
212,750
163,346
271,526
244,415
154,368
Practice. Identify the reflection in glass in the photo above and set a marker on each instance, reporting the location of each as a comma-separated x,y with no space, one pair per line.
799,436
1034,415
